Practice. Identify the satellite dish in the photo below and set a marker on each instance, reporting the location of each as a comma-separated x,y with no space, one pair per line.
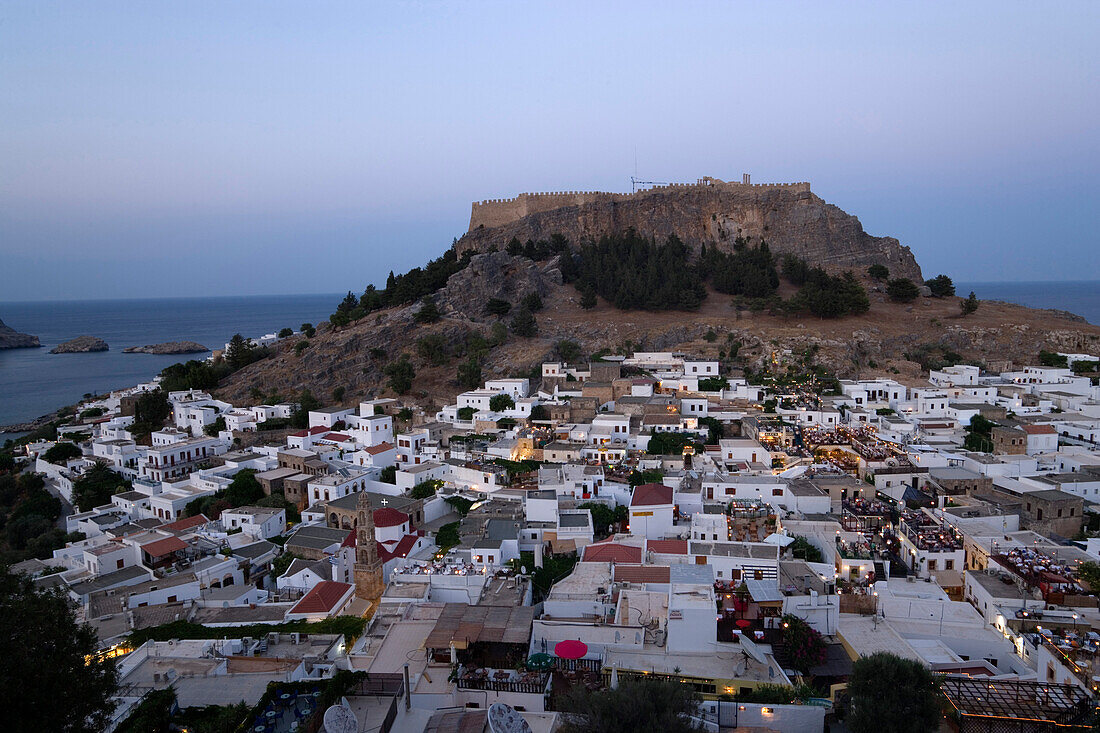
504,719
523,570
340,719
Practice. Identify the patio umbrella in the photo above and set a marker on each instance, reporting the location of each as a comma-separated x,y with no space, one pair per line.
571,649
743,623
540,661
614,677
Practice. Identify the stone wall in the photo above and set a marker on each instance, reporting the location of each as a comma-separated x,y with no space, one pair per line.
498,212
711,212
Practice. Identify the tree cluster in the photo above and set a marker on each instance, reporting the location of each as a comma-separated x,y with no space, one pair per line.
61,452
635,273
28,516
193,374
540,250
151,410
243,490
411,286
671,444
822,294
747,271
889,693
50,657
97,486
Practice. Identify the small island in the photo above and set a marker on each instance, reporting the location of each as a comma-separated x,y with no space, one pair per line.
81,345
169,347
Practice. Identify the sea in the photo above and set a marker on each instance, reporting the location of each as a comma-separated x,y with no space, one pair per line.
34,382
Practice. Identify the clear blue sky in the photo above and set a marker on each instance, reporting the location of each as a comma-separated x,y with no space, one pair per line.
193,148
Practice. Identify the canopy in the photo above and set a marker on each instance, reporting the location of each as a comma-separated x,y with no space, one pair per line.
540,661
571,649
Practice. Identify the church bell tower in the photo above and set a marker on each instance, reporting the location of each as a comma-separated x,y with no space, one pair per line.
368,567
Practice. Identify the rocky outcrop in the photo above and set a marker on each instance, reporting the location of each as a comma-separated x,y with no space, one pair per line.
169,347
80,345
788,216
12,339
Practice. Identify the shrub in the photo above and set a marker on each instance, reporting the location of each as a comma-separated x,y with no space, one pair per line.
433,349
941,286
59,453
532,302
497,307
400,374
878,272
524,324
501,402
429,312
469,373
902,290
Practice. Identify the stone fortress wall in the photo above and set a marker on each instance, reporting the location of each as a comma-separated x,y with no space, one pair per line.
498,212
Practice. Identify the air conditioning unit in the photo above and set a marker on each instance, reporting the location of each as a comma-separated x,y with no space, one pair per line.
910,578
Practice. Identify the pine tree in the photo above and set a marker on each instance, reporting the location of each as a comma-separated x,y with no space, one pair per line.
429,312
524,324
239,352
969,305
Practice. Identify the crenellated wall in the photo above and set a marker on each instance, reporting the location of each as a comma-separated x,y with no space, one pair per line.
491,213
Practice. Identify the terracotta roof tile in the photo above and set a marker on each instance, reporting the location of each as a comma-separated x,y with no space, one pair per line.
608,552
651,495
642,573
323,598
389,517
163,547
668,547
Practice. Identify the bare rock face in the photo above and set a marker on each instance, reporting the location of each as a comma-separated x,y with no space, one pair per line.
12,339
80,345
495,275
169,347
788,216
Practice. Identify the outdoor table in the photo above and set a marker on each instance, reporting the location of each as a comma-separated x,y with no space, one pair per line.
271,713
284,696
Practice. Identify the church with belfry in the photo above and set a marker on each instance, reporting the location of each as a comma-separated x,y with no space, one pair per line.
369,583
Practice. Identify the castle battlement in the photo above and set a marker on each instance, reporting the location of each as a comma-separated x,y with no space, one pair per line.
498,212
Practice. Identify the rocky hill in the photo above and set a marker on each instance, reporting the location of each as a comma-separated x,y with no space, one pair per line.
890,340
712,212
12,339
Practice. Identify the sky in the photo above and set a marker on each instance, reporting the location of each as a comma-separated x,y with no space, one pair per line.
209,148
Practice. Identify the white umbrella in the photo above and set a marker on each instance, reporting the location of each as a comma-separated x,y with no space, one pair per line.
614,677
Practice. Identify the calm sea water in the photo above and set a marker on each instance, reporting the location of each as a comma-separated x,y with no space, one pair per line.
1082,297
33,381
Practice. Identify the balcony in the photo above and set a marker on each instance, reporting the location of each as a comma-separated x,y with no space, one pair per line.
502,680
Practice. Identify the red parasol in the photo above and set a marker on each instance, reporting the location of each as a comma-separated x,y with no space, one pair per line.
743,623
571,649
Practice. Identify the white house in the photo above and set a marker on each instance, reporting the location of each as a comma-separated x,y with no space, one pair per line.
651,511
258,522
